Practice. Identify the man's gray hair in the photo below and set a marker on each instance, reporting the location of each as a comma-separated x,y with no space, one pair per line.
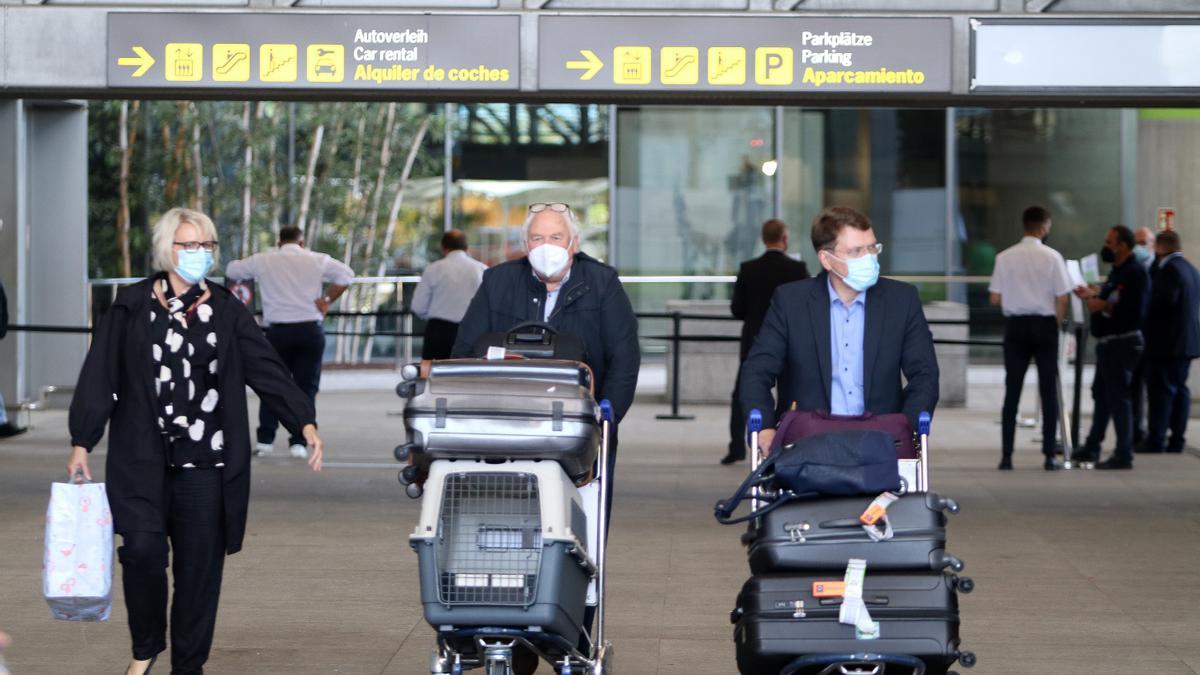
568,217
163,242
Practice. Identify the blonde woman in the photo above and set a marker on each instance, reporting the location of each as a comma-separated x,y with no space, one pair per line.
167,374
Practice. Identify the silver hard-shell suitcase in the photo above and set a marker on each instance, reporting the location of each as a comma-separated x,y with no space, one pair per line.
503,418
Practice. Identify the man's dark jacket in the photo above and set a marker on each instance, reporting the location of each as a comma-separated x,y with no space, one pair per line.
794,348
116,389
1173,320
591,305
756,281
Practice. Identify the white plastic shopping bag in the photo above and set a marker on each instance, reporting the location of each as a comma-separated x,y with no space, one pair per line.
77,568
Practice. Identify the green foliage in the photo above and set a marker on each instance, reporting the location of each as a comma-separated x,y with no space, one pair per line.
167,134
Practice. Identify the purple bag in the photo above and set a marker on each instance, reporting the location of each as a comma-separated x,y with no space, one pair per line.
797,424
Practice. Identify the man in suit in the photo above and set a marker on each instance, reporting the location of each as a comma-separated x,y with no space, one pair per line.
1172,341
841,341
756,280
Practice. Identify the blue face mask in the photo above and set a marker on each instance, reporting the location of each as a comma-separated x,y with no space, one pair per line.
193,265
861,272
1142,254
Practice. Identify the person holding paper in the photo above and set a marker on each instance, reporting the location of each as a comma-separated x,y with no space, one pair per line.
1118,311
1031,286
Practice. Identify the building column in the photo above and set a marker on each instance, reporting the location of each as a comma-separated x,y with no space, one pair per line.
1168,170
43,243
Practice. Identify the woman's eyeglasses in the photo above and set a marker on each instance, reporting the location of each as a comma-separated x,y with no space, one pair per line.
557,207
194,246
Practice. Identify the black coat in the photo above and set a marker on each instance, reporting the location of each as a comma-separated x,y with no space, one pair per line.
116,388
1173,320
794,349
756,281
591,305
3,313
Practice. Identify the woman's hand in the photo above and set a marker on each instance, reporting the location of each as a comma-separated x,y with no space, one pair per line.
78,463
314,442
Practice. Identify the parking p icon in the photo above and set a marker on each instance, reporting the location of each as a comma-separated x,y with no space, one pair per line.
773,65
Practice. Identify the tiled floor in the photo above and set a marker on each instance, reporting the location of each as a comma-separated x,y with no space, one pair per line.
1076,572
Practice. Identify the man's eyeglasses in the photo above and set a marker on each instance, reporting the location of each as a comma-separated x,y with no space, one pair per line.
193,246
858,251
557,207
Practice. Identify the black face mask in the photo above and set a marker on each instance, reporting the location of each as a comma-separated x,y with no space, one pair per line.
1107,255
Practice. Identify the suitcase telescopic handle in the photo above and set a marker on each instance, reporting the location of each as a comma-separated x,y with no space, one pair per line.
924,420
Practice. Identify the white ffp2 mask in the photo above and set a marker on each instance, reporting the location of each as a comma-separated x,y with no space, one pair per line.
548,260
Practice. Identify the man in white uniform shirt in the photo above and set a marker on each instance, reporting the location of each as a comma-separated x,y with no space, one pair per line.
295,298
1031,285
441,298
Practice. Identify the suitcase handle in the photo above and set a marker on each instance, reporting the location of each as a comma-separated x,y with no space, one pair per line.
841,663
879,600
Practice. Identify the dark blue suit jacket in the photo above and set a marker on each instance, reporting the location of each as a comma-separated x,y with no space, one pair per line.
793,349
1173,321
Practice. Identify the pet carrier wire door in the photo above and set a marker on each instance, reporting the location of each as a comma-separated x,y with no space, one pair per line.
489,539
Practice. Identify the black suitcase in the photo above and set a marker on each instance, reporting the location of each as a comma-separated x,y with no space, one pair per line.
782,626
822,534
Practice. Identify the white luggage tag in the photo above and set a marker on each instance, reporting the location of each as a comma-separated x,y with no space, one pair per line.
853,611
496,353
874,519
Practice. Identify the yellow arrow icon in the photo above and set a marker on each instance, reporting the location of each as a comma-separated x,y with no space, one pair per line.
592,65
143,61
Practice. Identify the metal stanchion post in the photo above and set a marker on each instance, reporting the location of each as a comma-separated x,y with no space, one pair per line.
1080,351
676,323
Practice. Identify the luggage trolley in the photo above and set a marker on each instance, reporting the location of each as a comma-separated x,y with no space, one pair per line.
868,658
510,549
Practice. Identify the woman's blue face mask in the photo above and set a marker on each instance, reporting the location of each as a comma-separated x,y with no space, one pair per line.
194,265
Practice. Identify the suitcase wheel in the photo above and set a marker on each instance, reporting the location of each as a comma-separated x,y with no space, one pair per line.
966,585
967,659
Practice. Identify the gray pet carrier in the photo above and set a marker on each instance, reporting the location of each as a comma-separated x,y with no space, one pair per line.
503,545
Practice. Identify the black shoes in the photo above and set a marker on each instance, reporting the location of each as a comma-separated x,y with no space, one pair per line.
1144,448
1114,464
1005,464
1085,455
731,458
8,430
1052,464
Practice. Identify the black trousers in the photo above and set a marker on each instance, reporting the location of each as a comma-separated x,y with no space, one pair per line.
1112,389
302,347
1170,401
196,530
1028,337
1140,398
439,339
737,421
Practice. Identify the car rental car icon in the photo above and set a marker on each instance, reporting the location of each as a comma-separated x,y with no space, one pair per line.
325,67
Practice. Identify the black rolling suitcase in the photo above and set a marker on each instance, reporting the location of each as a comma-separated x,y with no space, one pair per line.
822,534
782,626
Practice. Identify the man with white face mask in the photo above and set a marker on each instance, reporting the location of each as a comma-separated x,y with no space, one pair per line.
577,295
570,290
841,341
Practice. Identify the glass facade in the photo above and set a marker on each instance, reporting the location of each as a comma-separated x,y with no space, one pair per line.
678,191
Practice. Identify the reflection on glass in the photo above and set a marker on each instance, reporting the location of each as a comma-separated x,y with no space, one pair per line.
492,212
692,192
1067,160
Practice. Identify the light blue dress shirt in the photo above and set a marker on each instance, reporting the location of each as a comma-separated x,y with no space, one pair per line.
846,354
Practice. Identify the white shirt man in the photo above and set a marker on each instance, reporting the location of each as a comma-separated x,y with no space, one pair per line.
442,296
1030,284
291,282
